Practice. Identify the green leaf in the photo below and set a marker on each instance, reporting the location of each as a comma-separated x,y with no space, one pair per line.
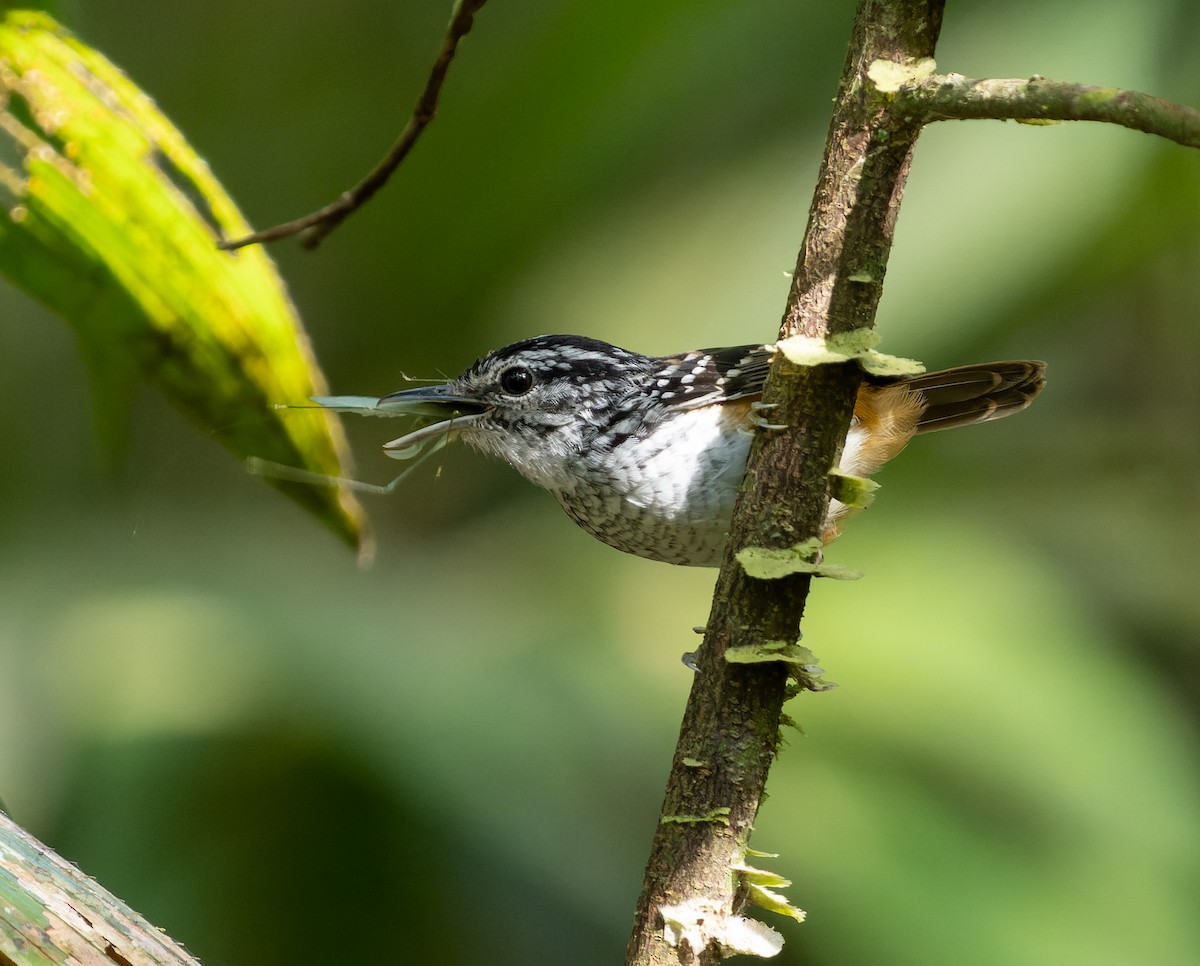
770,563
760,886
858,345
109,218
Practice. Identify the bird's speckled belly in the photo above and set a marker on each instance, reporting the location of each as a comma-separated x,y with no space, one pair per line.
669,498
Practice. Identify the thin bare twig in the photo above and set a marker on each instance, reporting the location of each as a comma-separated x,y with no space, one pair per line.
320,223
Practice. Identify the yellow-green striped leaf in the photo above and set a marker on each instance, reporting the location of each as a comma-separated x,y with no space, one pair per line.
109,218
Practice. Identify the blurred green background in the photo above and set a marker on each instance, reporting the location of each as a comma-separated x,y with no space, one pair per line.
458,755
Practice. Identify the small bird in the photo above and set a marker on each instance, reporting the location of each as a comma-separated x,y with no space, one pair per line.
646,453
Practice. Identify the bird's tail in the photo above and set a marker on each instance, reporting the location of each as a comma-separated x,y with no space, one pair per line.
976,393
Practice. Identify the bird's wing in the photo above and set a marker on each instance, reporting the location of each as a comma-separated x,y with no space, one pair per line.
707,376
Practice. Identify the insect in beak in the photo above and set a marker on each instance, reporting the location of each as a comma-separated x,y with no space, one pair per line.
451,411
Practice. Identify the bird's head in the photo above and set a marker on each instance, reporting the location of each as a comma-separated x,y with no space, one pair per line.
537,404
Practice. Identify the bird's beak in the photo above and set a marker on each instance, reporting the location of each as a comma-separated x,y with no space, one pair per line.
453,411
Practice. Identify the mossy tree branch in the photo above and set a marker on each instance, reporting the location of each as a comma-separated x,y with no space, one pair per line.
730,729
945,97
688,910
52,914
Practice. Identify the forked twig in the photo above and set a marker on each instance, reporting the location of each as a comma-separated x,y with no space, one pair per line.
320,223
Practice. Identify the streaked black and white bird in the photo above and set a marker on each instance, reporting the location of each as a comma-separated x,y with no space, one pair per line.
646,453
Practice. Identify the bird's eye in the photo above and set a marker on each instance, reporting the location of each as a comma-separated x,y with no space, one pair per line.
516,381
